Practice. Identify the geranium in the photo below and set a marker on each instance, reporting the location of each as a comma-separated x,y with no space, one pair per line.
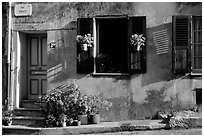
85,41
137,41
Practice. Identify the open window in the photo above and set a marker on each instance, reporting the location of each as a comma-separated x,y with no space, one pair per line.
112,45
187,44
111,53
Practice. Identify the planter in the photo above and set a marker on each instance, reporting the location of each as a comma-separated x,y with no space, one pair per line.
7,122
94,119
83,119
76,123
64,124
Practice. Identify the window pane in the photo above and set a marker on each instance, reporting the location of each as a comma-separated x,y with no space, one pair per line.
197,23
113,49
181,60
197,63
198,50
197,36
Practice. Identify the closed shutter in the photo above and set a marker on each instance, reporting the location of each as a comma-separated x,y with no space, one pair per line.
181,44
85,63
137,25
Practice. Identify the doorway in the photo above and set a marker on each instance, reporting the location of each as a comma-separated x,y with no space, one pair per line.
36,65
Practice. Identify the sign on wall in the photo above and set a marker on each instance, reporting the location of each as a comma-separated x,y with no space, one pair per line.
23,10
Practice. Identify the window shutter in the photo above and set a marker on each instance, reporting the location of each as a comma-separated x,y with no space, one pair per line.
85,62
137,25
181,44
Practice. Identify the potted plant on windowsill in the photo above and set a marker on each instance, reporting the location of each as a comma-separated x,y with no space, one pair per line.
103,63
137,42
85,41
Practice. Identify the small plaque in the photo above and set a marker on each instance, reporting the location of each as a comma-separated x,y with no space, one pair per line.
23,10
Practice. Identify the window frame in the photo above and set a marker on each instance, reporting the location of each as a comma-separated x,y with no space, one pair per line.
194,71
131,20
189,49
96,45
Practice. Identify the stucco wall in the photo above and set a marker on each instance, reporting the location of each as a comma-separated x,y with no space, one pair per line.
129,95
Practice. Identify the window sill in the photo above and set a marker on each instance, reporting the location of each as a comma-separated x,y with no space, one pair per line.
110,74
196,74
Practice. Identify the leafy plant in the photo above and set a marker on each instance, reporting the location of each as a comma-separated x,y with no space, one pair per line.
82,105
85,41
137,41
103,62
95,104
58,102
66,104
6,116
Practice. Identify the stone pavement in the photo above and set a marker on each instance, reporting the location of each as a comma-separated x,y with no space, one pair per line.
103,127
86,129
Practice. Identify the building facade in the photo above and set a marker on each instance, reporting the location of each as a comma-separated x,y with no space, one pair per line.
165,73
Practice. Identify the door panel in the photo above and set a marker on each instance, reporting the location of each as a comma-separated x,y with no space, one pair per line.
37,66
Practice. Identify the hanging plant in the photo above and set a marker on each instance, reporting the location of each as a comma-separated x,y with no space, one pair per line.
85,41
137,41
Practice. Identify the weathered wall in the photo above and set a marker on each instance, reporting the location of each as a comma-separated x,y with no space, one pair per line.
131,96
5,11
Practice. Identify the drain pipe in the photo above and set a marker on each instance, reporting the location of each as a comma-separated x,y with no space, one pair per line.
9,97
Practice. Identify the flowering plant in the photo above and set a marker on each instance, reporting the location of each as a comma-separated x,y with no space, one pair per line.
137,41
85,41
82,105
96,103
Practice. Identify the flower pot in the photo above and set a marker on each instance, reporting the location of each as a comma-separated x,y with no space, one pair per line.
94,119
64,124
83,119
76,123
8,123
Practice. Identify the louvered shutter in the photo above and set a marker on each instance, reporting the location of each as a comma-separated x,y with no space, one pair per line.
181,44
137,25
85,63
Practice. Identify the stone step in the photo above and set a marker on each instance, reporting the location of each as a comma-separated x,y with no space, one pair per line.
27,112
28,121
34,104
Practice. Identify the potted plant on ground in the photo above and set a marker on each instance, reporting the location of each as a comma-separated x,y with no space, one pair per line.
95,104
82,110
60,105
7,117
62,120
137,41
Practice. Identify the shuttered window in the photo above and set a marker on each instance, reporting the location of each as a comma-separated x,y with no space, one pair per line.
112,40
137,25
85,62
181,44
187,44
197,44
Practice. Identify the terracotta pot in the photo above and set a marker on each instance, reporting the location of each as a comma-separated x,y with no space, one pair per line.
83,119
94,119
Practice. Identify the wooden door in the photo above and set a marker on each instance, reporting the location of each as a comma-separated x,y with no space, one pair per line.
37,66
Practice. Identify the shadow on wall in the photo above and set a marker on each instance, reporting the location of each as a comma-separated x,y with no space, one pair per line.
62,58
159,55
